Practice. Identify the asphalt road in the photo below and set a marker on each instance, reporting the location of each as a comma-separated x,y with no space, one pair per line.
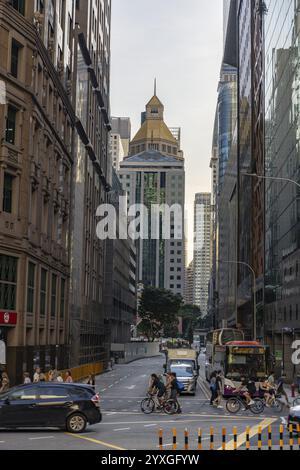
125,427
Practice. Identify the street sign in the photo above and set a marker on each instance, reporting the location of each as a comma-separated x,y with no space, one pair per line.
2,353
278,356
8,318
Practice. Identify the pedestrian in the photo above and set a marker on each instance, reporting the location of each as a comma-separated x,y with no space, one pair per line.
43,377
27,380
219,390
91,381
59,378
36,376
213,388
5,384
69,379
54,375
50,375
174,390
280,390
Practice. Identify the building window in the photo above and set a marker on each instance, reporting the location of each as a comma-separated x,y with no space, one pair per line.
53,295
62,298
8,193
8,282
19,5
43,293
15,56
10,133
30,288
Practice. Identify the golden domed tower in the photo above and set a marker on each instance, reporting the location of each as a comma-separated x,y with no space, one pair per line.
154,133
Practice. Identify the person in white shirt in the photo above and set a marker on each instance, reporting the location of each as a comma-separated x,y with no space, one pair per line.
36,376
27,380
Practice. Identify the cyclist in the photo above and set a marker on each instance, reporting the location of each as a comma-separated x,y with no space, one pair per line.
248,390
157,387
265,390
173,389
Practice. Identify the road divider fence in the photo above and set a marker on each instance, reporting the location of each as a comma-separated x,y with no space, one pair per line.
234,441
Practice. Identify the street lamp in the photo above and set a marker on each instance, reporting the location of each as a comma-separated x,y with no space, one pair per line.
272,178
242,263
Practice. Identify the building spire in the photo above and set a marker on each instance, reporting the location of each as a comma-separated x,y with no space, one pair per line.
155,85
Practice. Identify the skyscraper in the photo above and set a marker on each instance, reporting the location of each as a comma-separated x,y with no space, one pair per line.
119,140
93,177
154,174
202,250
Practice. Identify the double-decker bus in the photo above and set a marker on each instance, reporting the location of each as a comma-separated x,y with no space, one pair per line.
228,351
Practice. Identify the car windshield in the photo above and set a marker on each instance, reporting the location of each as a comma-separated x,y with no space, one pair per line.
182,371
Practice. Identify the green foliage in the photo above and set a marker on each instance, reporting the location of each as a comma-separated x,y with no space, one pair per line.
191,320
159,309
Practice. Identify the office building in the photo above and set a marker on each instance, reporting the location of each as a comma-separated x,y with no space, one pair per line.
202,250
154,174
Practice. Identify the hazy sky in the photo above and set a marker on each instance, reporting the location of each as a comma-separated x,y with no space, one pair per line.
180,43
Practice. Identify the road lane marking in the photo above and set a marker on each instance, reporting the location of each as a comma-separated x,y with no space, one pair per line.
253,432
95,441
150,425
40,438
122,429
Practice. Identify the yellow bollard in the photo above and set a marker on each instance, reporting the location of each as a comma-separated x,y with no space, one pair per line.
199,439
281,430
174,439
298,432
291,431
248,438
259,445
160,435
212,439
235,438
223,439
270,437
186,440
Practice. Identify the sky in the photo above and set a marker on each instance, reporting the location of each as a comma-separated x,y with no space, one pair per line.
178,42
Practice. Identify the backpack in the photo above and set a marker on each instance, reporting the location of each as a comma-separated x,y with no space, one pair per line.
252,388
180,386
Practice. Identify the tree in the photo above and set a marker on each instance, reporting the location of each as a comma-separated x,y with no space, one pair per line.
191,319
158,311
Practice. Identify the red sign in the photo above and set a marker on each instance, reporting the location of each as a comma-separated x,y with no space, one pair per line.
8,318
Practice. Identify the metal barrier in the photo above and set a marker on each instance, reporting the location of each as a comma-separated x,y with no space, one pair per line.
246,439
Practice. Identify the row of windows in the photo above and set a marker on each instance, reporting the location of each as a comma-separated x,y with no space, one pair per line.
290,314
157,147
8,288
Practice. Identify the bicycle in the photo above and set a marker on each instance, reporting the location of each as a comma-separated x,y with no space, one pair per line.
150,404
235,404
296,402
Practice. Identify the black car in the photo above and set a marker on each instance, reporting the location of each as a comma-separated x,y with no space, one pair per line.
294,417
50,405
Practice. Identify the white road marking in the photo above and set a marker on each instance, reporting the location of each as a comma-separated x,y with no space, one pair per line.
131,387
40,438
2,442
103,390
150,425
122,429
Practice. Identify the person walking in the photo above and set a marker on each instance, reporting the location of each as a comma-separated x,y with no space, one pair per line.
26,377
219,390
36,375
280,390
69,379
91,381
59,378
5,384
213,388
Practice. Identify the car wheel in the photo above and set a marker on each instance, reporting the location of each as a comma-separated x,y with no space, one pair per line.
76,423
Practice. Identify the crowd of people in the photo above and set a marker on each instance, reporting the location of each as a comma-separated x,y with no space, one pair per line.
40,376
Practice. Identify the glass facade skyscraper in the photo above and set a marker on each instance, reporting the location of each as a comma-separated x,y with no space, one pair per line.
282,276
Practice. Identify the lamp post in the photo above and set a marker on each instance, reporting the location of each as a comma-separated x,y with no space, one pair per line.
272,178
242,263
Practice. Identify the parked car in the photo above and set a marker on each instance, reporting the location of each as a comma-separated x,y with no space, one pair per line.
294,417
55,405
